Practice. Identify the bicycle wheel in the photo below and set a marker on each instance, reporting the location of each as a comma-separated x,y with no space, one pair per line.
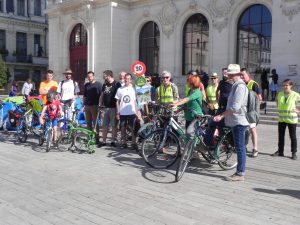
82,142
145,130
64,142
161,149
185,158
49,138
225,152
22,132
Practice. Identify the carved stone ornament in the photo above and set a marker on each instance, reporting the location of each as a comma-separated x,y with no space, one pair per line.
146,13
193,4
290,8
220,10
167,17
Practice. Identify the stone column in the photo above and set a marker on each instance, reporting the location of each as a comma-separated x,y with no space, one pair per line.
4,6
15,7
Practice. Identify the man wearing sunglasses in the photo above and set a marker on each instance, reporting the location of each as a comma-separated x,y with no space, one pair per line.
167,92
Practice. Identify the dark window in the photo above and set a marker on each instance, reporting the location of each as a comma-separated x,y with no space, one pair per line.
21,7
21,74
37,45
78,36
1,5
10,6
2,40
254,37
195,39
149,47
21,47
37,8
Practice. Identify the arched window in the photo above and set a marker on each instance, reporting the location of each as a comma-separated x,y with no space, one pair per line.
254,38
195,44
78,36
149,47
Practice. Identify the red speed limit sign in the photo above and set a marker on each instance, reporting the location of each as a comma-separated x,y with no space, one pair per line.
138,68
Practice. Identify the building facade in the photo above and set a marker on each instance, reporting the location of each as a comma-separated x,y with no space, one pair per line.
175,35
23,39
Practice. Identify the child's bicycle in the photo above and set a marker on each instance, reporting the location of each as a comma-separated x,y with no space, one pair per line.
47,134
85,139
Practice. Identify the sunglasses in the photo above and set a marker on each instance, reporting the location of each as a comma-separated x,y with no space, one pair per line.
213,78
148,80
165,77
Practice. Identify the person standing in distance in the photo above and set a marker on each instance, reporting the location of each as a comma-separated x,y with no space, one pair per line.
91,96
107,99
48,85
235,117
288,107
122,78
27,88
127,110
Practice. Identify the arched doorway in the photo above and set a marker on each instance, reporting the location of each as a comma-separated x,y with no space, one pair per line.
254,36
78,54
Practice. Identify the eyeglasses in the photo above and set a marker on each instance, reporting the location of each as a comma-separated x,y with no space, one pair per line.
165,77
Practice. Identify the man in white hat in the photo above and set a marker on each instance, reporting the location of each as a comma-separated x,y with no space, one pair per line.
211,94
235,117
68,90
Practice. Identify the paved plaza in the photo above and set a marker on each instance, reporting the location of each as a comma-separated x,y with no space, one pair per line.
114,186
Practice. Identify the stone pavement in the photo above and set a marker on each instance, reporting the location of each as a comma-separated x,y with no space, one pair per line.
114,186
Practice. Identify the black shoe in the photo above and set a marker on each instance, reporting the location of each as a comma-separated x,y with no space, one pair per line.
123,146
134,146
113,144
294,156
277,153
101,144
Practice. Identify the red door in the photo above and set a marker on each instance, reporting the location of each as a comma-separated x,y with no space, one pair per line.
78,54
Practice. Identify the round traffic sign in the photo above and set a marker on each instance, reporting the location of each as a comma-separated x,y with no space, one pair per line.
138,68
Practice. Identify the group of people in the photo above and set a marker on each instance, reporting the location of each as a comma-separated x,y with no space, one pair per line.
269,84
226,100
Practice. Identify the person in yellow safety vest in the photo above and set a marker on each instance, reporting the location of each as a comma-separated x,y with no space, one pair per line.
288,107
211,94
167,92
252,85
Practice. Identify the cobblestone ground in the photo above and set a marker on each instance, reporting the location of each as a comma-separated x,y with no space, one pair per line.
114,186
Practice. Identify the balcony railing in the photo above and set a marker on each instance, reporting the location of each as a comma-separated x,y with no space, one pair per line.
36,60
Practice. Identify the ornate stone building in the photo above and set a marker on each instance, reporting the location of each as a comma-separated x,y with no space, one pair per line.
23,39
174,35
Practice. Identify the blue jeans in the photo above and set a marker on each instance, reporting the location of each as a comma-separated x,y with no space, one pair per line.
240,147
209,133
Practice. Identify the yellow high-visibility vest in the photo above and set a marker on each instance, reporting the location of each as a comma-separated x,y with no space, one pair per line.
211,95
165,95
250,84
285,105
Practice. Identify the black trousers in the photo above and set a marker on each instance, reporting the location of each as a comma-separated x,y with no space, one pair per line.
281,133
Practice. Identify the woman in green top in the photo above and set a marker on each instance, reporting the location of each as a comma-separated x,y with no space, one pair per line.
193,101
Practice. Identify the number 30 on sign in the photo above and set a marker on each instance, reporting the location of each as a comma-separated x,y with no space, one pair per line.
138,68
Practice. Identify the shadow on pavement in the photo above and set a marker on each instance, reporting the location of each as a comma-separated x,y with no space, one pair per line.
292,193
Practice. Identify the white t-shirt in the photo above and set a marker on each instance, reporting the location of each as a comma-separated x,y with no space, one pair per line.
127,97
26,88
66,90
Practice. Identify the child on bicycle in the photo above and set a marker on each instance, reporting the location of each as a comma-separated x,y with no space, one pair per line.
53,110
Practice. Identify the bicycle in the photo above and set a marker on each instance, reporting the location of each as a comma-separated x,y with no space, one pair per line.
161,148
66,139
47,134
84,139
223,153
28,123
